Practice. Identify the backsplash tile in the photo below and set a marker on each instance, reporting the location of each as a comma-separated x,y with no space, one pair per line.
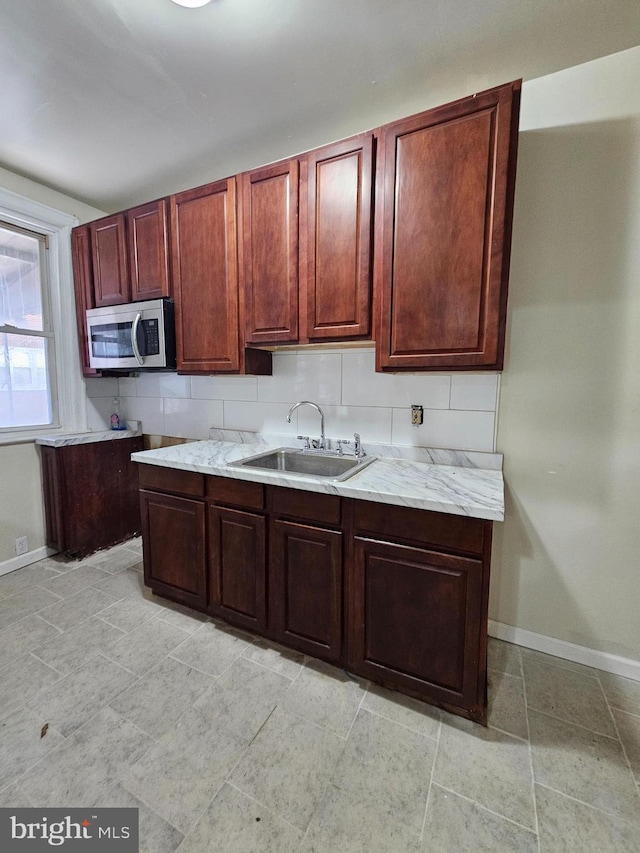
459,409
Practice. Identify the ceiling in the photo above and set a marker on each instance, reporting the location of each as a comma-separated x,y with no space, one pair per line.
116,102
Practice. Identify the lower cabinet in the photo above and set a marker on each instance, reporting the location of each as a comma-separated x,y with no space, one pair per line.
174,547
394,594
306,587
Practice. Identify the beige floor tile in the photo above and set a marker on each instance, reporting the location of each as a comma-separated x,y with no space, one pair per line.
88,764
582,764
570,696
21,680
454,825
345,823
242,699
75,580
622,693
122,584
15,607
22,744
130,613
140,650
25,578
14,797
181,617
506,706
530,656
487,766
402,709
123,558
160,697
567,826
288,766
388,767
75,647
284,661
23,636
236,823
504,657
629,730
326,696
73,700
211,649
76,608
155,834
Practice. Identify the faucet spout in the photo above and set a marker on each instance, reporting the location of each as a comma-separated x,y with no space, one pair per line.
321,442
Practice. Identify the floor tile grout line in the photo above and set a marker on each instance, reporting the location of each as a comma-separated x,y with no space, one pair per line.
264,806
433,769
485,808
268,668
620,741
403,725
358,709
530,751
342,738
123,784
610,814
57,671
614,738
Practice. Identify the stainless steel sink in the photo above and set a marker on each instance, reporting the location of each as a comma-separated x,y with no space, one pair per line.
291,460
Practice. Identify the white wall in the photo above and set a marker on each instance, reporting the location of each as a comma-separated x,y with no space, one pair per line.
567,559
21,511
459,409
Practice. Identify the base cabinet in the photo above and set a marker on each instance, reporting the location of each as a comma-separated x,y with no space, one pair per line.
393,594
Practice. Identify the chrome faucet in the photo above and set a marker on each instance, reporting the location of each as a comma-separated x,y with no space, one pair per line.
321,442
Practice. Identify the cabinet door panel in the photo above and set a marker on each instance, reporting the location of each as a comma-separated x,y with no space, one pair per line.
306,565
338,234
148,243
205,278
415,620
83,284
444,220
270,253
110,272
174,537
238,566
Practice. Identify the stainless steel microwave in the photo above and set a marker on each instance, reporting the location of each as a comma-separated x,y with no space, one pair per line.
134,336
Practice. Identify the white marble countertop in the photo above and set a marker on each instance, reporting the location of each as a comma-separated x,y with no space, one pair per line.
454,489
86,437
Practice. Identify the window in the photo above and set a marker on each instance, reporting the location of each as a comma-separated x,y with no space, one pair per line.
41,386
27,349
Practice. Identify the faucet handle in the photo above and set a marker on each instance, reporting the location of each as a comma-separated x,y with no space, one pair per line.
305,438
340,442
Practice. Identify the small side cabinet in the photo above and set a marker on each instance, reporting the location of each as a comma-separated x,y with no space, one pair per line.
90,495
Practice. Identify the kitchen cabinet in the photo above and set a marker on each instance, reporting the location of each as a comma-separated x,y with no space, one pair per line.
269,253
443,233
174,534
335,239
148,250
305,563
109,260
205,280
237,553
394,594
83,282
90,495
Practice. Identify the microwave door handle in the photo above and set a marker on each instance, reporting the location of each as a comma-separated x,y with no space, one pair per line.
134,338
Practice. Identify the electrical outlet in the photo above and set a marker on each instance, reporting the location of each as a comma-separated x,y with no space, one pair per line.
417,415
22,545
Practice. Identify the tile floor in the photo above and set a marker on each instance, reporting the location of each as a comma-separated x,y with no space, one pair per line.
228,743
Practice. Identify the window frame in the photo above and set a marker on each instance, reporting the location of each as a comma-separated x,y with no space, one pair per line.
67,386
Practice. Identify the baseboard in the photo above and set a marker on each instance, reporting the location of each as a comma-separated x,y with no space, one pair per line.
25,559
627,667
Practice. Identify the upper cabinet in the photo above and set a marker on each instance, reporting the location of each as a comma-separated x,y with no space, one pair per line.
443,232
269,253
83,280
335,236
110,268
148,245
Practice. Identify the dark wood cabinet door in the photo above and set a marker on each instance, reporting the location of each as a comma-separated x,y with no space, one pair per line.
443,234
148,244
110,269
336,238
415,619
306,588
205,278
174,539
83,285
53,490
237,566
269,248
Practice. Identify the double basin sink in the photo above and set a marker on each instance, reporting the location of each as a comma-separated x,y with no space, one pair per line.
291,460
